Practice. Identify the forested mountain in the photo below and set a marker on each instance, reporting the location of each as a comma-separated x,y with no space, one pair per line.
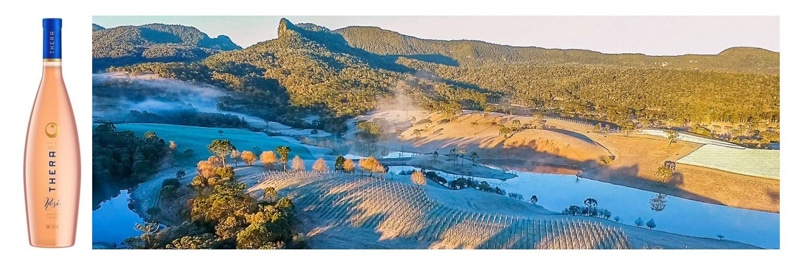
126,45
479,53
342,73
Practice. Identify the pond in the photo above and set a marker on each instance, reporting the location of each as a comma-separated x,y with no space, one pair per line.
556,192
113,222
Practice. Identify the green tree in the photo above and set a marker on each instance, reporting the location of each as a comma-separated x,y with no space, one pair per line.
659,202
651,224
473,156
270,194
221,148
180,174
204,241
639,222
283,152
672,136
516,124
663,174
339,164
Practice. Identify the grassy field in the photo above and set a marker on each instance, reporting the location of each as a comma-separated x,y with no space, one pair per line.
198,138
352,211
569,148
761,163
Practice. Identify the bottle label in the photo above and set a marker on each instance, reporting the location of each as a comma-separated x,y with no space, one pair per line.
51,131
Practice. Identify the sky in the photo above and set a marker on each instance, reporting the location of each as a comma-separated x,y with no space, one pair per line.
651,35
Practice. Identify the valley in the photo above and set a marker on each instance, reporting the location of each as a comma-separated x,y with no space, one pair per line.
352,139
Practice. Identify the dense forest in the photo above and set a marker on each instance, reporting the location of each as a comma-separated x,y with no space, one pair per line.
338,74
121,160
126,45
471,53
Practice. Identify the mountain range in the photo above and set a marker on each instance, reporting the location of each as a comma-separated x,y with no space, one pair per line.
155,42
345,72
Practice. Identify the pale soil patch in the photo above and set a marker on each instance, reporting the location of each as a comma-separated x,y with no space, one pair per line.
571,148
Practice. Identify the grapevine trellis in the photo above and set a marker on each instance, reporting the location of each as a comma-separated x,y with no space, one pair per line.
400,210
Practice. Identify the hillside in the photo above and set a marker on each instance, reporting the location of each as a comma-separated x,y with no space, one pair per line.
127,45
479,53
352,211
348,72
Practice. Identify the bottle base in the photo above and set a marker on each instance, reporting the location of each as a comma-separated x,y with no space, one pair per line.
51,245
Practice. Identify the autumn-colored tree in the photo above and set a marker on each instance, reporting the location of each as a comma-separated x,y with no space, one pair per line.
418,178
320,166
234,156
348,166
172,145
371,165
298,164
215,161
205,168
248,158
268,158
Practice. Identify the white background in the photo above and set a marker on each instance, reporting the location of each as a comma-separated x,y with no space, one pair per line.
20,47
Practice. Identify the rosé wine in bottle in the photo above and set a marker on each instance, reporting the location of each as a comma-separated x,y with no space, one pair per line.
52,156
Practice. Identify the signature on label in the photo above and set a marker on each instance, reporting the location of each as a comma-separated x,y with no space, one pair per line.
50,203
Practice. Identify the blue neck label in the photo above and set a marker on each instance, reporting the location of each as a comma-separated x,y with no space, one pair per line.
52,38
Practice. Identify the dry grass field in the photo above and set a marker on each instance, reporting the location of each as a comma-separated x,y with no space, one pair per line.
570,148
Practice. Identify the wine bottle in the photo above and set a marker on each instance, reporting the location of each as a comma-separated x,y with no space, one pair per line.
52,156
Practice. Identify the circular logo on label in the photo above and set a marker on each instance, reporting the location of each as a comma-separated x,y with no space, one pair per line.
51,129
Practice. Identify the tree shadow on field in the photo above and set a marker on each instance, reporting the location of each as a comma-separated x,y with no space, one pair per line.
675,179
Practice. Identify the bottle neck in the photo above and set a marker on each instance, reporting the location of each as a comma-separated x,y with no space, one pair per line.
51,48
51,63
51,69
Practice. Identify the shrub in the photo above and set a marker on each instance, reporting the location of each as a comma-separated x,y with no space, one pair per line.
436,178
516,196
171,182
